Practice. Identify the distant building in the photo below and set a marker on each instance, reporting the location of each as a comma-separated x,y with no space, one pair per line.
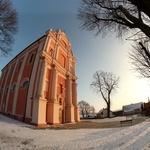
39,86
118,112
146,108
103,113
132,108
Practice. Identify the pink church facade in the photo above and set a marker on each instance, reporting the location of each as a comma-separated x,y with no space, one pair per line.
39,85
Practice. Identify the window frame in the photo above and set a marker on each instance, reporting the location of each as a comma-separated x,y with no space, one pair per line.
23,82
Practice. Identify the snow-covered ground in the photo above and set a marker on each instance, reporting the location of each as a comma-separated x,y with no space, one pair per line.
15,135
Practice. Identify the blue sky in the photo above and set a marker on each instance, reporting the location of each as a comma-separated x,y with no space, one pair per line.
92,53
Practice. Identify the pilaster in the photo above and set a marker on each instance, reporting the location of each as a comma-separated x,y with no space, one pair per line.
68,91
69,107
39,102
47,43
41,79
74,101
74,93
52,116
53,86
76,114
39,112
69,113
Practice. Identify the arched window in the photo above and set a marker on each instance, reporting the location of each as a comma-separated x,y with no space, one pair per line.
52,52
63,60
60,101
25,83
31,58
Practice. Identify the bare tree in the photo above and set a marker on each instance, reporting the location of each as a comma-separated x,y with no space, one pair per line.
121,17
91,111
105,83
140,59
8,26
86,109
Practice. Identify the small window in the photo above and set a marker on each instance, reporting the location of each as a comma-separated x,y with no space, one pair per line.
31,58
24,83
61,88
60,101
51,52
62,60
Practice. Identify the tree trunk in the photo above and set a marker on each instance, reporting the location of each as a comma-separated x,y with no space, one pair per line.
82,113
86,114
142,5
108,110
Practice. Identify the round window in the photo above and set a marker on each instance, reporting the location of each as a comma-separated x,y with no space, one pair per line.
25,84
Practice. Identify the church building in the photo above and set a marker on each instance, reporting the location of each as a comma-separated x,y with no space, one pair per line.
39,85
